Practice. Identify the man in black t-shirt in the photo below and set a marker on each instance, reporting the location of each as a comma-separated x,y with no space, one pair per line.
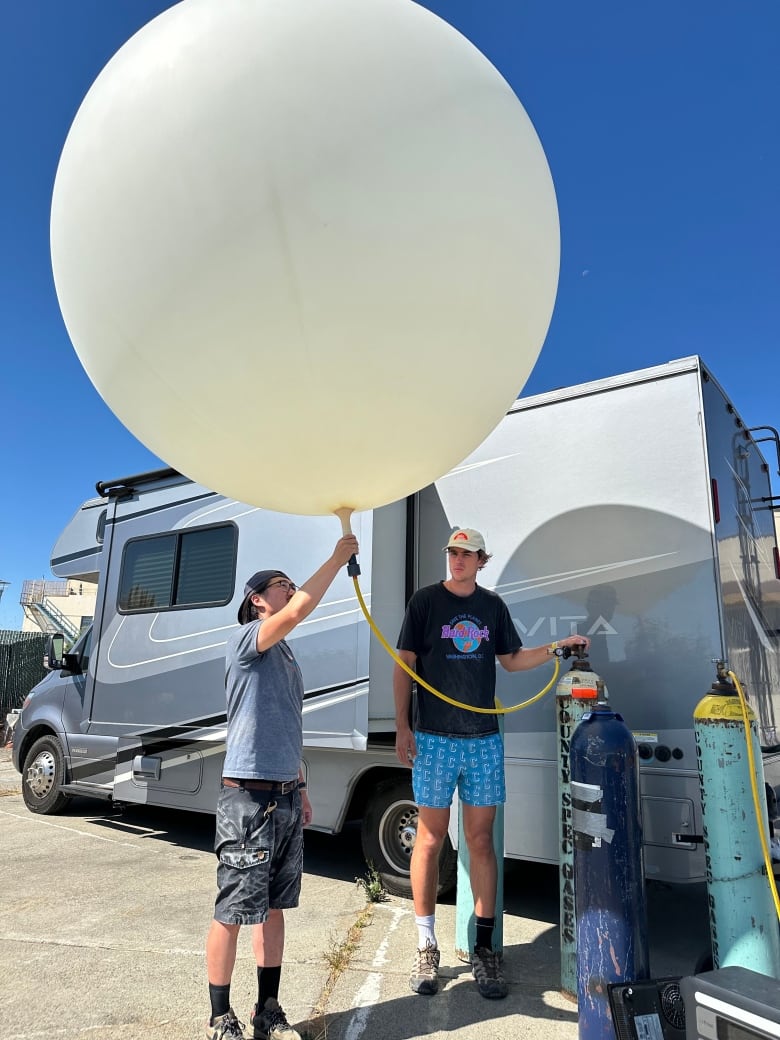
451,635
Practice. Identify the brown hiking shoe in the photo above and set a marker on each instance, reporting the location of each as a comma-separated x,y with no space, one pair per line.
271,1023
225,1027
486,967
425,973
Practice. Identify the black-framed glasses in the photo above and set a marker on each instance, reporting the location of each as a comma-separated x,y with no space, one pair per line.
288,586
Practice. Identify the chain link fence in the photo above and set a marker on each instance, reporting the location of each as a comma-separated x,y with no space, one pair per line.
21,667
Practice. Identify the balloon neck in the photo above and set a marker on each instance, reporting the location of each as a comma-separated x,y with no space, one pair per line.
344,514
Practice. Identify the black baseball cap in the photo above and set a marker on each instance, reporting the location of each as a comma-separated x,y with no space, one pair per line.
259,582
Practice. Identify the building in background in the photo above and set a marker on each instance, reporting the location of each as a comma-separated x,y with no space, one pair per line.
58,606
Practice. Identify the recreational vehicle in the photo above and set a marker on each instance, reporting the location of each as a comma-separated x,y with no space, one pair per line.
635,509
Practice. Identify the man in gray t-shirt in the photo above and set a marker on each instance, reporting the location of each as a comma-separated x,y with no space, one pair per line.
263,805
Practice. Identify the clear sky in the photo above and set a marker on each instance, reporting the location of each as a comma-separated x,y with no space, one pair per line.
661,124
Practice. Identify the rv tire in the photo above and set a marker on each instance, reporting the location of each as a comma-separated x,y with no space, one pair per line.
388,835
43,775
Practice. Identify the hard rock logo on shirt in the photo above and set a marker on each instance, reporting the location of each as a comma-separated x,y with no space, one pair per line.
466,635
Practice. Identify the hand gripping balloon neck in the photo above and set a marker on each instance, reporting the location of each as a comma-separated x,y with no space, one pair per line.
353,567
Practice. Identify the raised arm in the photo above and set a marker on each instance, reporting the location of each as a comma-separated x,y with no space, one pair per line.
306,598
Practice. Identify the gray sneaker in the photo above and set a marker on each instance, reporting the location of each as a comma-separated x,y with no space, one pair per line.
486,966
225,1027
425,973
271,1023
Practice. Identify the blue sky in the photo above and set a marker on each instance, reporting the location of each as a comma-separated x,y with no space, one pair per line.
661,126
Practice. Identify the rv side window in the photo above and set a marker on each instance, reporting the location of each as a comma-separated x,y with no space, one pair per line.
206,566
100,530
181,569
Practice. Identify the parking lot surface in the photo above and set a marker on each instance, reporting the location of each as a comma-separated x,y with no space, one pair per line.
104,914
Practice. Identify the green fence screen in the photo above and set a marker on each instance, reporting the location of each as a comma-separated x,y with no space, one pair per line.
21,666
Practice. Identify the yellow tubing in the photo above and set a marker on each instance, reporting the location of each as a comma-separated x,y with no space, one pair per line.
756,799
438,693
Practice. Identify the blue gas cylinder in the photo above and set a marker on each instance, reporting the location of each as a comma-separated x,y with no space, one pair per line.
609,890
575,694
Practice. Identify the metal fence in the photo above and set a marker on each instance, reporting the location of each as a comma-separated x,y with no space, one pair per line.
37,591
21,667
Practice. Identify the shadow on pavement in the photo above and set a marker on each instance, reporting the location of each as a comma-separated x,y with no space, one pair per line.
337,856
459,1007
678,922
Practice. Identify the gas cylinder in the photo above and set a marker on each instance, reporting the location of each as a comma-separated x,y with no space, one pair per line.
743,922
576,692
609,891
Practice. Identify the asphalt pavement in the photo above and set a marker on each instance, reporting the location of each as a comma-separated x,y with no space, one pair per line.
103,918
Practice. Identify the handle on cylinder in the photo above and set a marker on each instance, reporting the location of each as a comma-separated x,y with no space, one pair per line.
353,567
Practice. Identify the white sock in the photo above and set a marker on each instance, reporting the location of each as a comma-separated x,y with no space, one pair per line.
425,933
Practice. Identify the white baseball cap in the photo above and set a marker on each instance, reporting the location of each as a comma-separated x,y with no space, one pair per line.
466,538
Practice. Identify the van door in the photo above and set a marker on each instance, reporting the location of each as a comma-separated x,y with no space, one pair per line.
83,552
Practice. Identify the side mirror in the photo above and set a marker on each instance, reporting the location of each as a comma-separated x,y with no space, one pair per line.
71,663
56,659
55,651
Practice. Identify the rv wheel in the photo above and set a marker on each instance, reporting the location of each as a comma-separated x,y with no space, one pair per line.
43,773
388,835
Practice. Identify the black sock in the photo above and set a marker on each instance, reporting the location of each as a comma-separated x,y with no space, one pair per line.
484,937
267,984
220,1000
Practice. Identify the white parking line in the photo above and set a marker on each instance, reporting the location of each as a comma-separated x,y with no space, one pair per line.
369,993
32,818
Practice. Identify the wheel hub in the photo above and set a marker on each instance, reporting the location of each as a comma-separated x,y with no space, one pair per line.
397,834
40,774
407,836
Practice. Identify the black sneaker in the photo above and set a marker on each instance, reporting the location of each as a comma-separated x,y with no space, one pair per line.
271,1023
225,1026
486,967
425,973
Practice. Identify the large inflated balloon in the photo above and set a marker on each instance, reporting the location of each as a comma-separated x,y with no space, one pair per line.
306,251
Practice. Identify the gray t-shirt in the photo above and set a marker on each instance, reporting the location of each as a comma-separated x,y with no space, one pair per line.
264,709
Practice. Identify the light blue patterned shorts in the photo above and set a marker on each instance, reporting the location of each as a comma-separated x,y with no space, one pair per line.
475,765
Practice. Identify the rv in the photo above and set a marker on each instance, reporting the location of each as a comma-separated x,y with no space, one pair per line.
635,509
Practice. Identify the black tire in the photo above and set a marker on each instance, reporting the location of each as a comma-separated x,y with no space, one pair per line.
42,777
388,834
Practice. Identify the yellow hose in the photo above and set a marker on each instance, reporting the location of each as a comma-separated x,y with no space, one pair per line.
756,799
438,693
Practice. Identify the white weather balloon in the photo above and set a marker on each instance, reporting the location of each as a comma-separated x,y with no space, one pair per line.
306,250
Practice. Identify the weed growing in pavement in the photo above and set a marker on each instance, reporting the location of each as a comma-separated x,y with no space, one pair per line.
337,957
371,883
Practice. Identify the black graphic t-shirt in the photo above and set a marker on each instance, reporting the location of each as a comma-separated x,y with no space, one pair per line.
456,640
